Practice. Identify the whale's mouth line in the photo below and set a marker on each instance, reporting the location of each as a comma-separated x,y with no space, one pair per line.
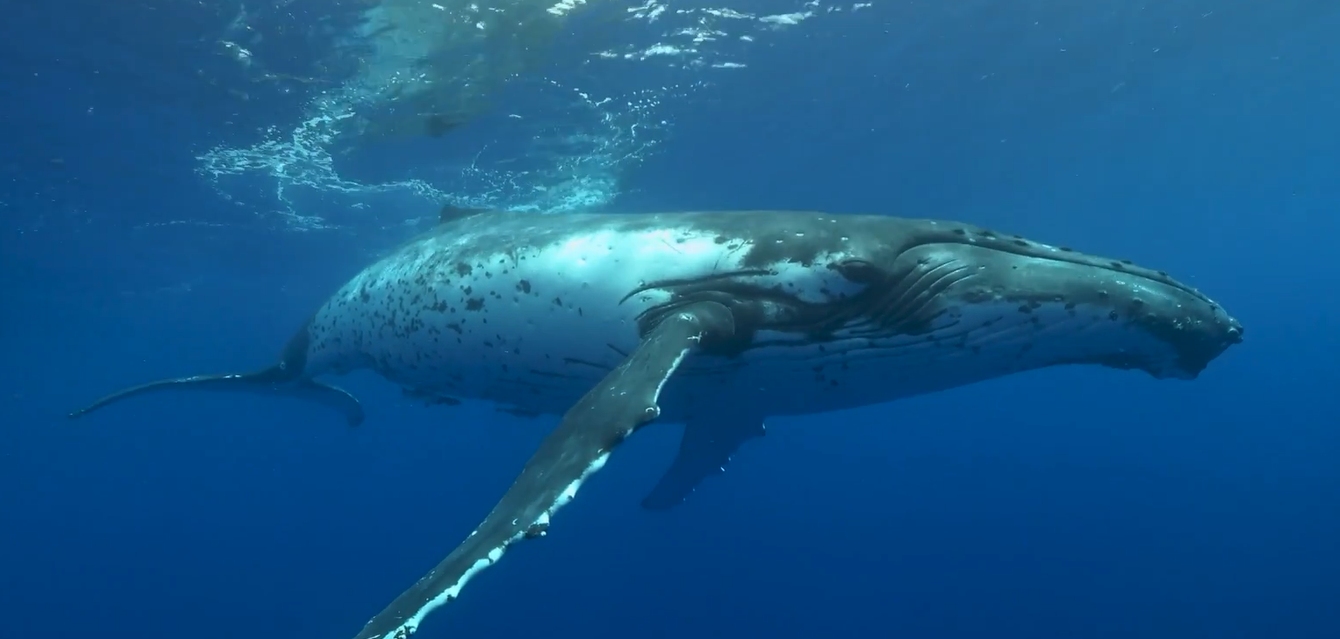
1065,255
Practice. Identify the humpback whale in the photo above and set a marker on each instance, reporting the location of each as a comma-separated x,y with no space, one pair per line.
717,320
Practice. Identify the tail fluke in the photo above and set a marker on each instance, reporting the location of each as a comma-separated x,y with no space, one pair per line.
274,381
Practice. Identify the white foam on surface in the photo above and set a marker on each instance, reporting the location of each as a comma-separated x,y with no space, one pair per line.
413,57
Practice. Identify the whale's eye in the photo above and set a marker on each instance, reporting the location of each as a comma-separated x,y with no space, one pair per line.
859,271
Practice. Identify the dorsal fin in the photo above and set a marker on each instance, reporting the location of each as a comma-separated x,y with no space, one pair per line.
451,213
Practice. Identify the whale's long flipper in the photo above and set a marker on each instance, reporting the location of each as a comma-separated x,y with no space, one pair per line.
271,381
621,403
706,447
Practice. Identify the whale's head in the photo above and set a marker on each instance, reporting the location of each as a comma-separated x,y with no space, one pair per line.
944,300
926,294
967,287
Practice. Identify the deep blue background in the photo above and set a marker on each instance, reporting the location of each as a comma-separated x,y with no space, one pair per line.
1062,503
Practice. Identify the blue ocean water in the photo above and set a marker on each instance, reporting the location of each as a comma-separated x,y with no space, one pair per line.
183,183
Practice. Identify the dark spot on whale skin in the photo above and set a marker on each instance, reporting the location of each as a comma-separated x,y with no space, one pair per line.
440,306
721,239
523,286
1020,243
1118,266
536,531
558,301
463,269
582,362
540,373
429,398
474,304
960,232
467,289
519,412
1113,316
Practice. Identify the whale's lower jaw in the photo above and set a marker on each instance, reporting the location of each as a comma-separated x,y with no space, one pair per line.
788,375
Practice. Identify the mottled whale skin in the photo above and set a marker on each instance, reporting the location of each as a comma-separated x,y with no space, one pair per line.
736,315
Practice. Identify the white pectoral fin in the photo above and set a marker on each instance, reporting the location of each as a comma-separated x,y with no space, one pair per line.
611,411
